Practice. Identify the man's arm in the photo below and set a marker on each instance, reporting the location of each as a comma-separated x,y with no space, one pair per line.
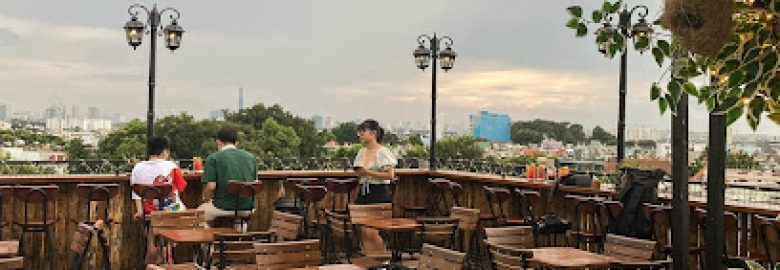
208,191
139,209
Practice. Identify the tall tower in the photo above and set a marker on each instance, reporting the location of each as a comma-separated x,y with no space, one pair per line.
240,98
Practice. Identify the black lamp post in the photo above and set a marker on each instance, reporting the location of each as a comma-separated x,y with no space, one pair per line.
422,58
135,32
636,31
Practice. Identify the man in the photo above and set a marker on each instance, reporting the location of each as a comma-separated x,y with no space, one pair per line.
229,163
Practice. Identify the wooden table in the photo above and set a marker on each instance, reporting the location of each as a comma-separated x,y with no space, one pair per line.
194,236
567,257
394,226
333,267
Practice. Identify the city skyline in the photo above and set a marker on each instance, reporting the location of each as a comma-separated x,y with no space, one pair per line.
313,59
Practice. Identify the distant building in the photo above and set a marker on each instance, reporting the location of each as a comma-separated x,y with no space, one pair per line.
319,122
491,126
93,113
78,124
3,112
218,115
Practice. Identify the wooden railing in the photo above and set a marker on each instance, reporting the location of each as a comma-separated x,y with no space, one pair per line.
412,189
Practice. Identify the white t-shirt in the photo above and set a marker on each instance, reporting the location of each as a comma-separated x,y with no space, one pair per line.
157,172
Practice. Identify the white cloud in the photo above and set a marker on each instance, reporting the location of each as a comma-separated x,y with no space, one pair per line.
41,30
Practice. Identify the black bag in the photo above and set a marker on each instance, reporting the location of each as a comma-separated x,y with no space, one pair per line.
577,179
551,223
641,187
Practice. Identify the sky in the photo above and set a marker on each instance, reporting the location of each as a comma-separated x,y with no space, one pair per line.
344,59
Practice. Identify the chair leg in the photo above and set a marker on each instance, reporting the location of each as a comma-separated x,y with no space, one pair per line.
21,243
104,247
49,256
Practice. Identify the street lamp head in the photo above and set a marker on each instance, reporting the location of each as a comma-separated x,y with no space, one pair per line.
447,58
604,37
642,30
134,30
173,33
422,57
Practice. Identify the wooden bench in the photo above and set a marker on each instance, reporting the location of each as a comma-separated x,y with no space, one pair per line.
434,258
285,255
633,253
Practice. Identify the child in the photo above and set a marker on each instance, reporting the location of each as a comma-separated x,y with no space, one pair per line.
157,170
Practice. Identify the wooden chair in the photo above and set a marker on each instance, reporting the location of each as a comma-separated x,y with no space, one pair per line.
150,192
437,258
608,214
98,194
772,241
311,196
586,226
532,204
82,240
291,186
285,226
340,233
183,266
508,258
41,222
236,249
285,255
521,237
370,240
468,223
187,219
730,233
438,231
439,189
633,253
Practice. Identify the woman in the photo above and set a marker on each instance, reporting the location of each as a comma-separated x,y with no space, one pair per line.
374,164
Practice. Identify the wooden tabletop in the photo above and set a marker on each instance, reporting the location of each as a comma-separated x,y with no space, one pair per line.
391,224
567,257
9,249
193,236
333,267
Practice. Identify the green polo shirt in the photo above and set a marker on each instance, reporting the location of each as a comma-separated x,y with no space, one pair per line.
225,165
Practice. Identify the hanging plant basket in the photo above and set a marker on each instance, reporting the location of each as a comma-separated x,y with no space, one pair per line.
701,26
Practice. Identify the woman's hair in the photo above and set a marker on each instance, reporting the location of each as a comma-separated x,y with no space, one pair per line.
371,124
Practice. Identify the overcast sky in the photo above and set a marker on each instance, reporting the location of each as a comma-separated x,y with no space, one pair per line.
347,59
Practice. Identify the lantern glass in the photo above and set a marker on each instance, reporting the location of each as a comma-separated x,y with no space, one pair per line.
447,59
134,30
173,34
422,57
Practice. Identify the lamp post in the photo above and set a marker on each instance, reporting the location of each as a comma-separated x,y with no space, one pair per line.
134,29
638,32
422,58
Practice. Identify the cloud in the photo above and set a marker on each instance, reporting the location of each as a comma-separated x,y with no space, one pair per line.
35,29
8,37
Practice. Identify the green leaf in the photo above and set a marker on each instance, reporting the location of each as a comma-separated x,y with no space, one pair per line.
602,37
751,70
750,89
573,23
757,106
597,16
659,56
776,7
775,117
774,88
674,89
642,43
710,104
770,60
612,8
665,48
575,11
729,103
662,105
655,91
733,115
582,30
727,51
613,48
736,78
750,54
729,66
672,102
691,89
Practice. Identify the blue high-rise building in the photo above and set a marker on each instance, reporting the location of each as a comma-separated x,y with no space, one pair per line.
492,126
319,122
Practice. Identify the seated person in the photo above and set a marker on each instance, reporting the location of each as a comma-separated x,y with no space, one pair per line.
229,163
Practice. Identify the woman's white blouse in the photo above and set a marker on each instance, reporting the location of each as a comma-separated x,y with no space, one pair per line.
384,160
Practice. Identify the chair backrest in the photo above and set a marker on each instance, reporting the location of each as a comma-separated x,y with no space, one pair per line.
731,233
496,197
456,190
157,191
244,189
772,240
311,194
516,236
340,191
468,218
757,236
236,248
532,204
12,263
184,266
361,212
608,212
285,225
187,219
505,258
285,255
36,194
437,258
629,249
97,192
438,231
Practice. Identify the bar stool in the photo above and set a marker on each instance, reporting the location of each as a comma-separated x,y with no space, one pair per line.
311,196
468,224
439,189
150,192
243,190
496,197
37,195
456,191
730,233
98,193
587,228
608,214
341,194
291,184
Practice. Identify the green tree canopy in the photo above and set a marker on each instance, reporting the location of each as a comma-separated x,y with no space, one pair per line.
275,140
346,133
76,149
525,132
188,138
603,136
128,142
460,147
311,143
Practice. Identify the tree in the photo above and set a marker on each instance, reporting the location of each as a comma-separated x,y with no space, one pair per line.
77,150
346,133
417,151
187,136
740,160
603,136
414,139
275,140
460,147
128,142
311,143
391,139
346,151
526,136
